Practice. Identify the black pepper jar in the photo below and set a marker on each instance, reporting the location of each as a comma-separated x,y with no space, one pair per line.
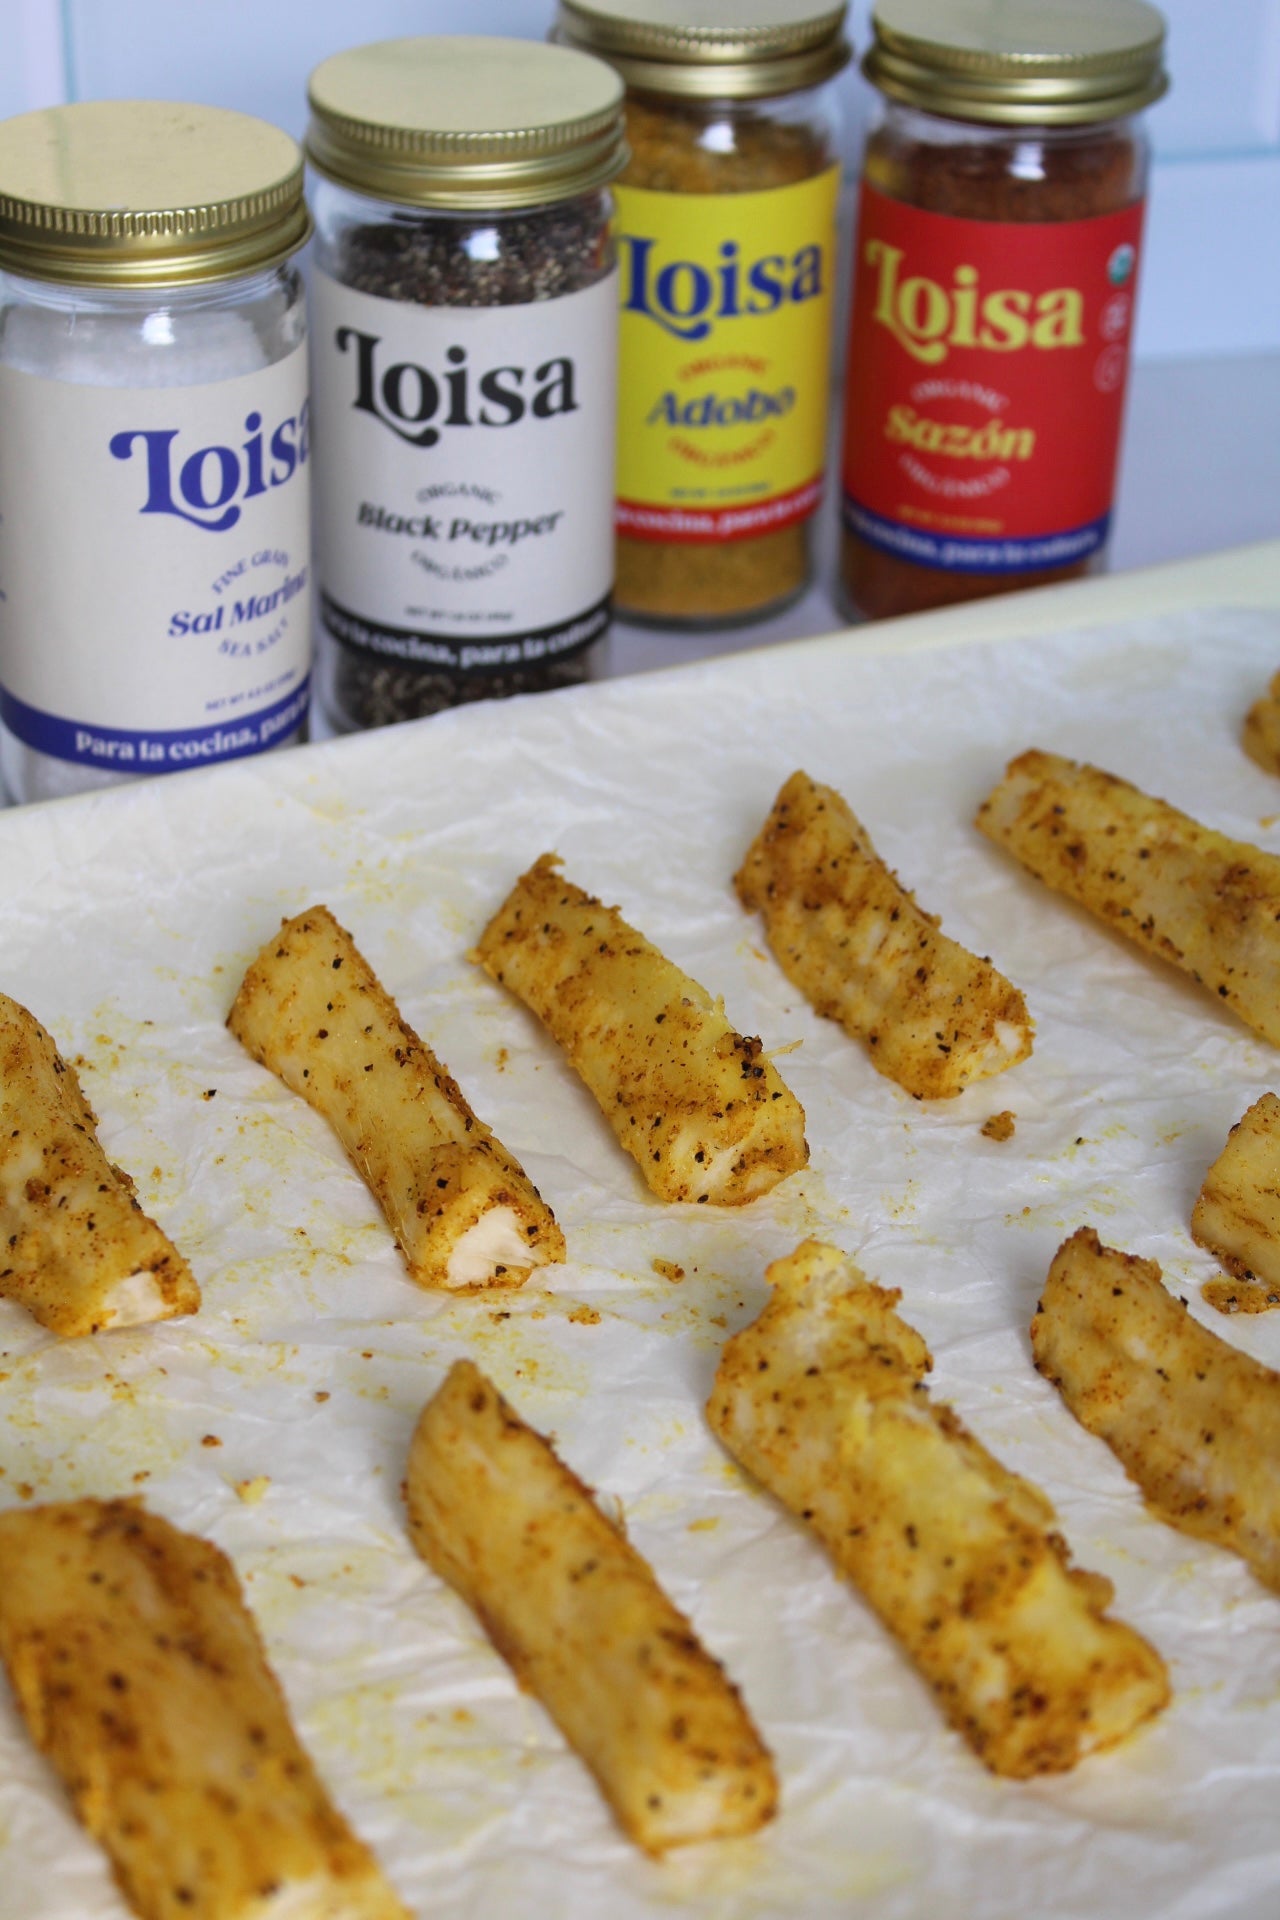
464,369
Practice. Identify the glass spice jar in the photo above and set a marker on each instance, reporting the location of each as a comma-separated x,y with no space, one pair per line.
154,475
998,238
726,228
464,303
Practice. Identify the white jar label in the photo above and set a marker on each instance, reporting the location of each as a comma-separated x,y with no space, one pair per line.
155,567
465,481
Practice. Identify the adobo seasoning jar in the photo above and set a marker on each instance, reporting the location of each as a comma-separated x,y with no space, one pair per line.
464,305
998,239
726,231
154,476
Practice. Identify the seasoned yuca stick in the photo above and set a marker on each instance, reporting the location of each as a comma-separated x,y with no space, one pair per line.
846,932
76,1249
141,1677
1260,737
1193,1421
462,1208
822,1398
699,1108
1237,1212
580,1618
1209,904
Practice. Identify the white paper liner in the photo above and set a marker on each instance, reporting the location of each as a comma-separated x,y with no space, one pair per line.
128,919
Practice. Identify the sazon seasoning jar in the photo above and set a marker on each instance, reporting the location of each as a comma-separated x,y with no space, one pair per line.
154,436
998,239
464,307
726,233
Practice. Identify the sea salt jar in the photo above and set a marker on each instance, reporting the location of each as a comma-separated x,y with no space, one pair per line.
464,360
154,442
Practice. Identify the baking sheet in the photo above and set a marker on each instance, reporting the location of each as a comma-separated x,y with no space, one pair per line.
276,1422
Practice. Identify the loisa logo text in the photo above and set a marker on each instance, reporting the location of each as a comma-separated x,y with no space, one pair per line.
687,299
929,319
409,398
208,487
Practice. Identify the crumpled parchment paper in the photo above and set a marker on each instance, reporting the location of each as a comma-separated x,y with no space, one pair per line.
276,1422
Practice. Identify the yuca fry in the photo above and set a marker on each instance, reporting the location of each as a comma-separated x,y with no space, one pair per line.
1193,1421
1208,904
844,930
462,1208
701,1111
578,1615
1260,736
1237,1211
139,1672
822,1399
76,1249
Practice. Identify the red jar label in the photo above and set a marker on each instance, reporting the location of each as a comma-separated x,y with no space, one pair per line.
985,385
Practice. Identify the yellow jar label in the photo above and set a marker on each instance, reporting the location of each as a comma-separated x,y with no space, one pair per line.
725,352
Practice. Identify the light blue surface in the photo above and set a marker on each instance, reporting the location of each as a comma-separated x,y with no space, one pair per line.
256,54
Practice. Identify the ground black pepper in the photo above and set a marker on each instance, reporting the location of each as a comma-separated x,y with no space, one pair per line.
441,260
502,261
463,370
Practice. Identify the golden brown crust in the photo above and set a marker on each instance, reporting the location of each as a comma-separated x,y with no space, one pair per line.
1260,735
1195,1423
141,1677
312,1010
1237,1212
1208,904
823,1399
699,1108
579,1617
76,1249
933,1016
1240,1295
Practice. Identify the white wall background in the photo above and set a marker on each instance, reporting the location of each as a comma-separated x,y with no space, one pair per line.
1212,277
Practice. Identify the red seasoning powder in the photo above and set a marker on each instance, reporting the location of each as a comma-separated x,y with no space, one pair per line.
995,268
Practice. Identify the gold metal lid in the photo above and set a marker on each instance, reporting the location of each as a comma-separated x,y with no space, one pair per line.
453,121
138,193
1042,62
711,49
